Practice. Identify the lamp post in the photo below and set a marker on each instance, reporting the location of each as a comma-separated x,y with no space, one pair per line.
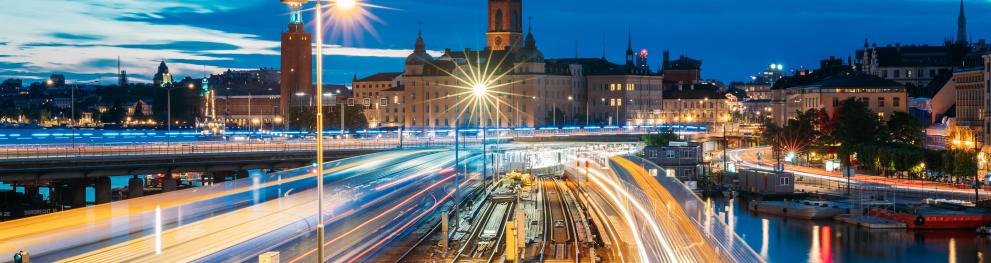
168,114
296,7
572,111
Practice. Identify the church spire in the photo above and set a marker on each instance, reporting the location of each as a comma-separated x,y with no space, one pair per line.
629,47
420,47
530,41
961,26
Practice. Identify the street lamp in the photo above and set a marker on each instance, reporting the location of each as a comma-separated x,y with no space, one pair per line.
168,118
342,7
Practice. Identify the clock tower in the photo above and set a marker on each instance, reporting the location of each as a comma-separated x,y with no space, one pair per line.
505,24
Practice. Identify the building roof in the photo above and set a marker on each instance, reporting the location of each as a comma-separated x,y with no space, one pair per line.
384,76
919,56
796,81
601,66
859,80
684,63
695,92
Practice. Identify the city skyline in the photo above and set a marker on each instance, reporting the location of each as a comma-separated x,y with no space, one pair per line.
190,36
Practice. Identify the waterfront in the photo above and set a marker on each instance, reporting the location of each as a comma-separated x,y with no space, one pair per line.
780,239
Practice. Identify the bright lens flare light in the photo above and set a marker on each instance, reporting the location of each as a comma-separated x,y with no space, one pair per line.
349,20
479,89
346,5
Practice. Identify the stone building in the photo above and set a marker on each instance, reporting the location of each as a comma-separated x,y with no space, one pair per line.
701,103
802,93
380,95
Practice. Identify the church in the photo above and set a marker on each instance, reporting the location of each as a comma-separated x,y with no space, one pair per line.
524,89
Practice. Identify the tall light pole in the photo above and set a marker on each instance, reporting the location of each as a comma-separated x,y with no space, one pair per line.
168,114
319,95
296,7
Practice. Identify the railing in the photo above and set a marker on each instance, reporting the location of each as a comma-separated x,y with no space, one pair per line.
414,139
67,151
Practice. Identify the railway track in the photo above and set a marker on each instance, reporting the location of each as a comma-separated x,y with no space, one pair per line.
559,232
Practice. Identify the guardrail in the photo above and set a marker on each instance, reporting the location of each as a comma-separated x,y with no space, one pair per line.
67,151
433,138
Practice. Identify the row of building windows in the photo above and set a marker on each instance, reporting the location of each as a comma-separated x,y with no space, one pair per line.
895,101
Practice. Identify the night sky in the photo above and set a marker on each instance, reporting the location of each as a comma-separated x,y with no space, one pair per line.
733,38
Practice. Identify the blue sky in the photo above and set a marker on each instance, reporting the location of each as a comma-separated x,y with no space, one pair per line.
734,38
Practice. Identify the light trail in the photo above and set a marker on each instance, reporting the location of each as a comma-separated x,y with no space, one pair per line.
598,177
25,227
379,216
403,228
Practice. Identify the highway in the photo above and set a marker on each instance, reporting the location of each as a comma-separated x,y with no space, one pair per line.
218,221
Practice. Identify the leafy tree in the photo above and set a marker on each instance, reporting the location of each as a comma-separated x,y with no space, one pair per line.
964,164
903,128
855,125
660,139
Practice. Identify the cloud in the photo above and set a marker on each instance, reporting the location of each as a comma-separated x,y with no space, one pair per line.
77,37
87,36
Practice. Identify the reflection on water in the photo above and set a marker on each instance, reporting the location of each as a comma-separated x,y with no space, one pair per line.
782,239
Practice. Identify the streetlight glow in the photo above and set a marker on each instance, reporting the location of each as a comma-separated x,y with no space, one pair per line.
479,89
346,5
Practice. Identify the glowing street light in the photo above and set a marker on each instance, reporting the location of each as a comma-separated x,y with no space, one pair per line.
479,89
346,5
348,15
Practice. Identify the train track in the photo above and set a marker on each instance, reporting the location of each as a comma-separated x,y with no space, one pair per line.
558,224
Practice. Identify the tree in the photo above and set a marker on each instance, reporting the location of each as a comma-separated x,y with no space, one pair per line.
354,118
855,125
903,128
660,139
964,165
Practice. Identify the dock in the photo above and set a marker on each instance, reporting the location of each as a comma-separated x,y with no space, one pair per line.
871,222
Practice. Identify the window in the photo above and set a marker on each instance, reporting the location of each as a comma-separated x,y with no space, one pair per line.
880,101
898,73
896,102
785,180
669,153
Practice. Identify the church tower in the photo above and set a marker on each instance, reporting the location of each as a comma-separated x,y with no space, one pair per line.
961,26
505,24
629,49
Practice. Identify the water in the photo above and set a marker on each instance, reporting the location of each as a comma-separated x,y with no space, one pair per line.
780,239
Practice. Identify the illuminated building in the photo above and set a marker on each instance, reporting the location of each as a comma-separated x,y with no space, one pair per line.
163,78
381,96
696,103
257,79
802,93
527,94
505,30
297,62
917,65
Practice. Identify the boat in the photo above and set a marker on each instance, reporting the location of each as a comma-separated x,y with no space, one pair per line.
800,209
928,217
984,230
